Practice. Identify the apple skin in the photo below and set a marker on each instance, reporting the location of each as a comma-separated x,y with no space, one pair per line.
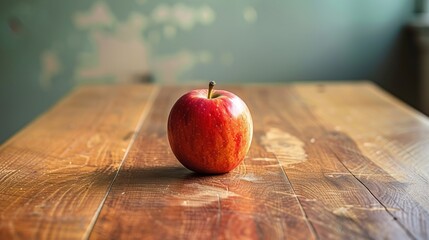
210,136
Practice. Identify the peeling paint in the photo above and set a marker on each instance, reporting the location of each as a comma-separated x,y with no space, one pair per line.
126,42
250,15
51,66
183,16
98,15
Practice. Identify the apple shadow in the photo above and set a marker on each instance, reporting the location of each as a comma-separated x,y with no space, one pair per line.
159,175
150,175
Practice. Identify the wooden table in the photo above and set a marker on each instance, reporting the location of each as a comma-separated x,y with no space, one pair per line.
328,161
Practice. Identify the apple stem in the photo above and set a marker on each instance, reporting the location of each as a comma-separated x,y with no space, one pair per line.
211,86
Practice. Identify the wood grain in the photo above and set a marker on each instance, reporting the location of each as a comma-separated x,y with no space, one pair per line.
55,173
383,143
328,161
336,203
155,197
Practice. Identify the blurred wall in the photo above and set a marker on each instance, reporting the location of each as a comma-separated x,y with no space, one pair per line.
47,47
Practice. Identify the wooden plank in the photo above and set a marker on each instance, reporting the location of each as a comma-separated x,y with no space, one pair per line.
327,161
337,204
342,206
55,173
382,142
155,197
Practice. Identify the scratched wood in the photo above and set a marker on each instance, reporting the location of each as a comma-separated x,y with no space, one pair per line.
155,197
384,144
328,161
336,203
297,182
55,173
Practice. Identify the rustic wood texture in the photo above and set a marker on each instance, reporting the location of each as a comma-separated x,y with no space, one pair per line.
328,161
385,145
337,204
55,173
155,196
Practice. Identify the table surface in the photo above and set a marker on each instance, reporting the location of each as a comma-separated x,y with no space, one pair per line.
327,161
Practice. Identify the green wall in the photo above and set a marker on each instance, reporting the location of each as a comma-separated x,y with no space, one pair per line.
48,47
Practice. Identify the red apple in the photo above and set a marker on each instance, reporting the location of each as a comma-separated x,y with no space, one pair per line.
210,131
